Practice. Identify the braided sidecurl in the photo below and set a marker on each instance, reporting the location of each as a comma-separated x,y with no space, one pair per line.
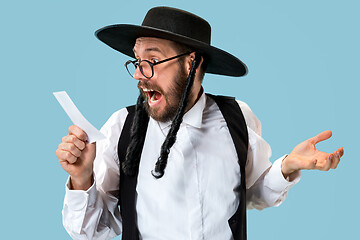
170,139
137,138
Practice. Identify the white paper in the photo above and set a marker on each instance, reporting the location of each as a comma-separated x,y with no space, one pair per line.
77,118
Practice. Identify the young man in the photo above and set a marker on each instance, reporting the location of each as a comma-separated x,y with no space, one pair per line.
192,162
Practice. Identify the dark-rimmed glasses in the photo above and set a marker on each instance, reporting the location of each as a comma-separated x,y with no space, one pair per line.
146,67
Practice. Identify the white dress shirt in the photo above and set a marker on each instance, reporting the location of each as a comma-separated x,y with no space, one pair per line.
198,192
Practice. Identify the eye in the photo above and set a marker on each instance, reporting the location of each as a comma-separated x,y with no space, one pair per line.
154,60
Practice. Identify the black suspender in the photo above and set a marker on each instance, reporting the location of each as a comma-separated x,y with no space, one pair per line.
127,187
127,192
238,130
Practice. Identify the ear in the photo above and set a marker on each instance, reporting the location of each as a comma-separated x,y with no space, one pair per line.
189,61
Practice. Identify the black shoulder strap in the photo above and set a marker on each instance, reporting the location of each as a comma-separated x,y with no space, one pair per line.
238,130
127,187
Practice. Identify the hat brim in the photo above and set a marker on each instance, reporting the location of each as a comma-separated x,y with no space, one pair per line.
122,37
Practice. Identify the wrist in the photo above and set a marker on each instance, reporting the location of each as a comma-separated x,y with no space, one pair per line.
288,173
284,169
81,183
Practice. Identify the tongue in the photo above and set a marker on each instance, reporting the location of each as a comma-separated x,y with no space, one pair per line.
157,95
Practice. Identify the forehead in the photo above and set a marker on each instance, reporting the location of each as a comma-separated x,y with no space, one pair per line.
151,44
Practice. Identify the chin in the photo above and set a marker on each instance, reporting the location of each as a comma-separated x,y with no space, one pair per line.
162,115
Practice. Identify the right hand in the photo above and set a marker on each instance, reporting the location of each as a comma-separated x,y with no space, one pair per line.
76,157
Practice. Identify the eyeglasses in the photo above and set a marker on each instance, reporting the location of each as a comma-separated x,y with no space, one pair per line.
146,67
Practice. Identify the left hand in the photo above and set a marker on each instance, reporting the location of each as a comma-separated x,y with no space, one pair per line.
306,156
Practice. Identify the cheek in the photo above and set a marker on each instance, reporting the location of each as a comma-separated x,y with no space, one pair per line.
169,81
165,84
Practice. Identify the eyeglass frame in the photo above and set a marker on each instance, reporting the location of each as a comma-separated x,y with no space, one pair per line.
137,63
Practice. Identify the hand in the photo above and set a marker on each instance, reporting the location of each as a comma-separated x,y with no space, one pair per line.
76,157
306,156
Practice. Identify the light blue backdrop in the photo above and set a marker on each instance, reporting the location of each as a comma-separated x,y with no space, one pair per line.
303,58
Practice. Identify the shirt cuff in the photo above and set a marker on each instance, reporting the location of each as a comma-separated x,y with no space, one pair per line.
275,179
77,200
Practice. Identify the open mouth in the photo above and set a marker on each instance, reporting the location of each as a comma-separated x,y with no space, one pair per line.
152,96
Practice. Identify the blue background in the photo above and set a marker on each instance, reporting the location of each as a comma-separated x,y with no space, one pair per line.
303,58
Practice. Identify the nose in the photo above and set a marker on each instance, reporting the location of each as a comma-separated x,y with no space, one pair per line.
137,74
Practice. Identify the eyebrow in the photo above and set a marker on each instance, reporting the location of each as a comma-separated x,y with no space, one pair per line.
151,49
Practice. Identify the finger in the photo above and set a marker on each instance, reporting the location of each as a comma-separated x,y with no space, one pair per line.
73,139
337,156
321,137
325,164
65,156
70,147
78,132
64,164
92,147
341,151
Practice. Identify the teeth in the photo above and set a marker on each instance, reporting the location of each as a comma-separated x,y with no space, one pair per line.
147,90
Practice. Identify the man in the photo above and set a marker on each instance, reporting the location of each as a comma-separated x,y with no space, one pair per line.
185,171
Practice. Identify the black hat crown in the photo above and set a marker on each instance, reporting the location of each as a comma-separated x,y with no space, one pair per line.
179,22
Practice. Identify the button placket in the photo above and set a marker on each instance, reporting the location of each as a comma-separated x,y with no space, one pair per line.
192,185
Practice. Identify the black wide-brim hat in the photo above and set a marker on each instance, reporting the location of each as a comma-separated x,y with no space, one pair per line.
178,26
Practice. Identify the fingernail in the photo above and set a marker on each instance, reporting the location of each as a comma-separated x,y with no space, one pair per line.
331,157
338,155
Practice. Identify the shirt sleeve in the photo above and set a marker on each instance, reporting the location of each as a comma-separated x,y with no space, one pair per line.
265,183
94,214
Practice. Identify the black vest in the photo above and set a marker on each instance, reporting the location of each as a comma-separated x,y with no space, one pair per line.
127,189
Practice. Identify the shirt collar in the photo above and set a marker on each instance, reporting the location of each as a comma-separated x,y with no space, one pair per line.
193,117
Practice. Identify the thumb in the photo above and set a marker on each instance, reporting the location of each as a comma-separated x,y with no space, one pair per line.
89,152
321,137
91,147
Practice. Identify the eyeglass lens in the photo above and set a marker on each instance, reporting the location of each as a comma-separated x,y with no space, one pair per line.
144,67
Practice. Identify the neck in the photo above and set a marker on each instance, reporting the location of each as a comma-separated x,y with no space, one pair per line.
194,97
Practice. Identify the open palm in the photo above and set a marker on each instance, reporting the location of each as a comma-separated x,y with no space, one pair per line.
306,156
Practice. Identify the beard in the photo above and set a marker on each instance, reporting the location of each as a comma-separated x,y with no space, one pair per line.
172,97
